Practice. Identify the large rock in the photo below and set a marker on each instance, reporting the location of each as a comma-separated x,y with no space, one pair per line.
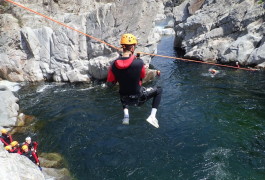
18,167
98,67
33,48
225,30
195,5
8,107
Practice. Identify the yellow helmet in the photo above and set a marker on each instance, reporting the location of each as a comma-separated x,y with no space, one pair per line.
3,131
8,148
14,143
128,39
24,147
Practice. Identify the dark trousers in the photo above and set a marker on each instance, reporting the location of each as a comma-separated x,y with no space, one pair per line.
140,99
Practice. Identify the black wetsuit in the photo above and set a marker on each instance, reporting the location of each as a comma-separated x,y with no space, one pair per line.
6,139
129,72
32,156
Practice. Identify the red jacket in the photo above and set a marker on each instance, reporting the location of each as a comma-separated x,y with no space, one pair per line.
16,150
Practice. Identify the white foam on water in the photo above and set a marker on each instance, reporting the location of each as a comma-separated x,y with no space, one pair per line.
62,90
215,165
42,88
219,74
85,89
12,86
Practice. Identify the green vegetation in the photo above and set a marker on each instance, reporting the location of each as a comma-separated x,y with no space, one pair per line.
261,1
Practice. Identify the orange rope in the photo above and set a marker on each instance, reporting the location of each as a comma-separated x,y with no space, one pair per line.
119,49
203,62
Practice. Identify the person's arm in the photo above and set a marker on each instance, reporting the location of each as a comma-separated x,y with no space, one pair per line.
10,138
111,79
35,145
142,75
3,141
36,158
19,151
143,72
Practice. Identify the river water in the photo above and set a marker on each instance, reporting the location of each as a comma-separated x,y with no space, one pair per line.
211,127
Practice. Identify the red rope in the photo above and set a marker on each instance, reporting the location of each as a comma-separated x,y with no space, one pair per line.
203,62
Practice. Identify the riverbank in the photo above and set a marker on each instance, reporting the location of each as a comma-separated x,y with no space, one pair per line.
15,166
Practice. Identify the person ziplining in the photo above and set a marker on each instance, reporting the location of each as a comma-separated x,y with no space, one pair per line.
129,71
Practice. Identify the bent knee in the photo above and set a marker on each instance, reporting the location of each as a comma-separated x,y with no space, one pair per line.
159,90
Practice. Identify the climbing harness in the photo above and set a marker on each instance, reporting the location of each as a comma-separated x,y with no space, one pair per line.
119,49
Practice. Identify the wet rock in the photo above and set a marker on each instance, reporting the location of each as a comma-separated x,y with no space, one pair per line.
51,160
8,107
98,67
21,120
58,174
151,74
53,166
23,124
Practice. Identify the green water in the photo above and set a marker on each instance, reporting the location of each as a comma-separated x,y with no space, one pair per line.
210,127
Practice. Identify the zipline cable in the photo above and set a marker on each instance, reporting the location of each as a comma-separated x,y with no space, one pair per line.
196,61
119,49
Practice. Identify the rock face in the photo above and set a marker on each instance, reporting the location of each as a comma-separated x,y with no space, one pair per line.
33,48
223,30
17,167
8,107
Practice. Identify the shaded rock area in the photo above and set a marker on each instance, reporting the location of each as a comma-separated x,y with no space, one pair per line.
58,174
33,48
53,166
223,31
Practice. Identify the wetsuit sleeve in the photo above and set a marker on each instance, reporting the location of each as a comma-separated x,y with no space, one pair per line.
143,73
111,77
3,141
11,150
10,138
19,151
35,145
35,157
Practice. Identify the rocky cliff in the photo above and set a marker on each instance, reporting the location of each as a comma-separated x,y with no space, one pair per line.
221,31
33,48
